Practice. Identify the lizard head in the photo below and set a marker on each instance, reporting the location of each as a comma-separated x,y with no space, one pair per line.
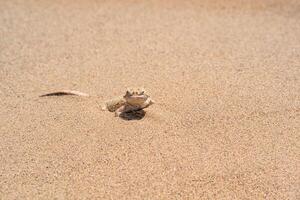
136,97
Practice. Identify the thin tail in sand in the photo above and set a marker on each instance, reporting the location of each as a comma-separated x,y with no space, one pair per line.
65,92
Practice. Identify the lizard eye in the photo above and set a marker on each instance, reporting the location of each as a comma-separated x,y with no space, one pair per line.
127,94
141,90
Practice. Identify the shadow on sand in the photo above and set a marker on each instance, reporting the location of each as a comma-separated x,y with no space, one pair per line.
133,115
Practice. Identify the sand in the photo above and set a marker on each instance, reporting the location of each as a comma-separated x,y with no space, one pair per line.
225,76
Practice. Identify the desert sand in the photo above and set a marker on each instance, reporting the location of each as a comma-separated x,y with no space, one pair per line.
225,76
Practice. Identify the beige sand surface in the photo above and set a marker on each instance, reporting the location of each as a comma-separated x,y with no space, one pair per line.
225,76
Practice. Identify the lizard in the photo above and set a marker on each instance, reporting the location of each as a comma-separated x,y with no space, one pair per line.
133,100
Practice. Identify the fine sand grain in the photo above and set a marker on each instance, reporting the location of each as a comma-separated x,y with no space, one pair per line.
225,75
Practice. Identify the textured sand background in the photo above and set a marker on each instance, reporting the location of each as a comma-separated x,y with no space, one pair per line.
225,74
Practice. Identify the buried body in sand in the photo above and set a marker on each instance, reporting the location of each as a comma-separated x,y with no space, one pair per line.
133,100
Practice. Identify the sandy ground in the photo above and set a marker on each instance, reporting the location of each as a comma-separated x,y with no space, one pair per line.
225,76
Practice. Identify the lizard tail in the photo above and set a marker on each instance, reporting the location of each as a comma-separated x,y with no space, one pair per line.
65,92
